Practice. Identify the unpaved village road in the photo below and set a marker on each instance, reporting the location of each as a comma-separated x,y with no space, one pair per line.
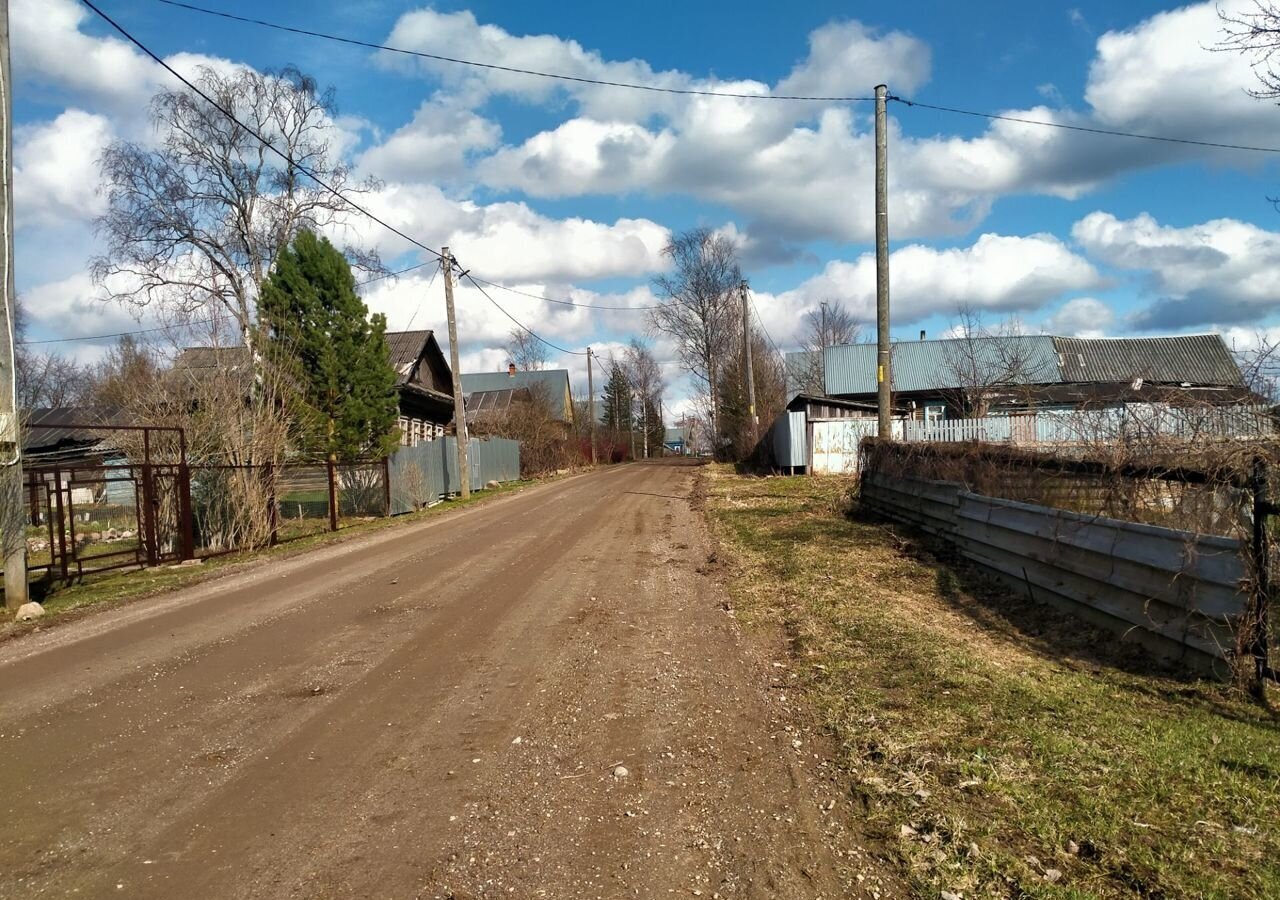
434,711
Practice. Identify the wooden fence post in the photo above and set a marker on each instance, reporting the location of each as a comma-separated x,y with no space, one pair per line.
1256,619
333,495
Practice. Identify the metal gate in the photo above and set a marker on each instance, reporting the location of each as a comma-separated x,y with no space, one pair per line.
95,516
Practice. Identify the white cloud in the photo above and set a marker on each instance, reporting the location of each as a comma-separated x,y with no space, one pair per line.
55,178
844,58
437,143
1219,271
505,241
1083,317
998,273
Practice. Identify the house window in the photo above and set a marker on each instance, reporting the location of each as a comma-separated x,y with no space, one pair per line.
934,414
404,431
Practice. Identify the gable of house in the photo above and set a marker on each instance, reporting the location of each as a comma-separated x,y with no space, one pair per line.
551,383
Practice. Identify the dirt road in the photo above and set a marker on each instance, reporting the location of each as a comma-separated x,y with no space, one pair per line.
438,711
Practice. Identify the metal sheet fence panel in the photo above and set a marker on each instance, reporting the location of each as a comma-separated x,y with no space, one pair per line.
1175,592
427,473
836,442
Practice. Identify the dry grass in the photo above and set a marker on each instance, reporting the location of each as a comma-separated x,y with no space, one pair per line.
1003,749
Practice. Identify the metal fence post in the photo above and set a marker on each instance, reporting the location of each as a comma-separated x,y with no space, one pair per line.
333,495
386,486
273,506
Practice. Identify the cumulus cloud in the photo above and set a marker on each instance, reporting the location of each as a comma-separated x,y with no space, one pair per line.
55,177
437,143
999,273
508,240
1222,271
844,57
1083,317
797,175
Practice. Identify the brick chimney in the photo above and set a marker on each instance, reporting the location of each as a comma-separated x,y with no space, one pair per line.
511,369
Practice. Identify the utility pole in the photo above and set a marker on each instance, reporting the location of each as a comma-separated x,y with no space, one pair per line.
884,377
591,406
13,542
459,408
752,419
662,423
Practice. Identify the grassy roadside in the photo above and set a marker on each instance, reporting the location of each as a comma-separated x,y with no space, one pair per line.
1001,750
139,583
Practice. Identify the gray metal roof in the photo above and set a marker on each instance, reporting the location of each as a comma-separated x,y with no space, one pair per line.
934,365
1199,359
50,429
554,382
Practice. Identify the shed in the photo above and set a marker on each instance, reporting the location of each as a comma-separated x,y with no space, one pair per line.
791,437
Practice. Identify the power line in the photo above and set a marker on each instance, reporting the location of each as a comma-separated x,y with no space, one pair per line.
562,302
520,324
633,86
262,140
760,319
1001,117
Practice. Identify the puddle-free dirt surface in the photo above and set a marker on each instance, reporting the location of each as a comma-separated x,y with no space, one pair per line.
538,697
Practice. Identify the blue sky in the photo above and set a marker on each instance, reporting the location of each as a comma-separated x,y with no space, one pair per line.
567,191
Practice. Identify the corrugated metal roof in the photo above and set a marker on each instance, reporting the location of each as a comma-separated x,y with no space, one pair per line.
555,382
937,365
49,428
1200,359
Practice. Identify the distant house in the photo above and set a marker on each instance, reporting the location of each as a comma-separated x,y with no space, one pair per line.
551,384
424,381
57,435
931,379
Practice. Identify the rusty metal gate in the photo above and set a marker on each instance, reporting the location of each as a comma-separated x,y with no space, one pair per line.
103,515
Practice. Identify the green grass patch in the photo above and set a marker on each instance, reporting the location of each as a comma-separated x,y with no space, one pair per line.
999,748
114,587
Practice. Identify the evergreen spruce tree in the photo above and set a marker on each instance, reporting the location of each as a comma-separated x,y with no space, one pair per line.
334,351
617,401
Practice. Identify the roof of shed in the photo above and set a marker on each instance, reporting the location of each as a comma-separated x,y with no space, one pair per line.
52,428
1201,359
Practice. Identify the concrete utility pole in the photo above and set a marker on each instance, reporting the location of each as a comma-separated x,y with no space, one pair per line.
13,543
591,405
884,377
459,408
753,420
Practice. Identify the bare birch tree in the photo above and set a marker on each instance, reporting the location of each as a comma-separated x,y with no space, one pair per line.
1256,34
700,305
194,225
645,375
830,325
527,353
986,365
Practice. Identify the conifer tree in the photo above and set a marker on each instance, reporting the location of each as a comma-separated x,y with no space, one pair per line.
617,400
322,333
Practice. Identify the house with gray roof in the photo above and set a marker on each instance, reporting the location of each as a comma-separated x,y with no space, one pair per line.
938,378
551,384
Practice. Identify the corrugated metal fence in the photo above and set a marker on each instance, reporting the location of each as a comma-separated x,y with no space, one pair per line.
1175,592
429,472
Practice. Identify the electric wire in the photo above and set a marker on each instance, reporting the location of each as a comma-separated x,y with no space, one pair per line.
430,283
533,296
1002,117
558,76
520,324
769,337
293,165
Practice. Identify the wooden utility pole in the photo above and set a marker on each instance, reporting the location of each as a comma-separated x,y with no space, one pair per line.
884,377
662,423
591,405
459,408
13,543
752,419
